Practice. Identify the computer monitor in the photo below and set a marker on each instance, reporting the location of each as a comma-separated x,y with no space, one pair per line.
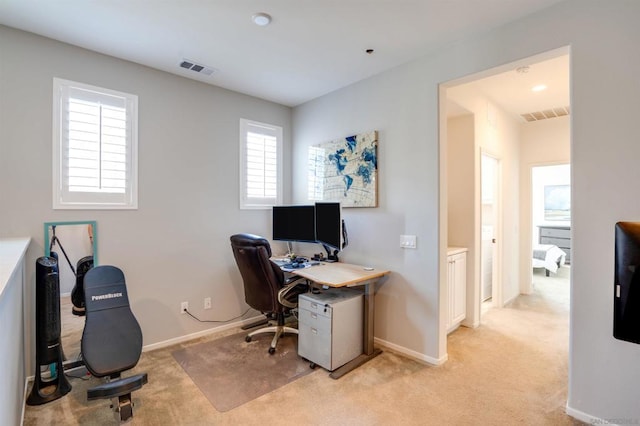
294,223
330,228
626,306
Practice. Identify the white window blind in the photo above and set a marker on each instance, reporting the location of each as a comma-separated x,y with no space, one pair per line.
260,164
95,147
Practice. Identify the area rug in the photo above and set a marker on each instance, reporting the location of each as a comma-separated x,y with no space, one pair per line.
231,372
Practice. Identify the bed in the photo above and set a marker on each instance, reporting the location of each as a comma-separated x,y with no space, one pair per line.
548,256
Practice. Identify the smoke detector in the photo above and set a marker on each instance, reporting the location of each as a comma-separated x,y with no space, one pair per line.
195,67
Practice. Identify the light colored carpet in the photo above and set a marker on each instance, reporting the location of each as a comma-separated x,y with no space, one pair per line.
231,372
510,370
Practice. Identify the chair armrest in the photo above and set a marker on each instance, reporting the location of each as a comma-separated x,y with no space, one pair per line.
290,285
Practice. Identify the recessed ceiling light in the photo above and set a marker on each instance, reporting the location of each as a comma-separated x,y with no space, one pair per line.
261,19
539,88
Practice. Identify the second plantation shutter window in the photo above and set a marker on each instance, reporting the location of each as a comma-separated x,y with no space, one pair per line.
260,164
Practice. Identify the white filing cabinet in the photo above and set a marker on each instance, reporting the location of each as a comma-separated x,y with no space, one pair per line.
330,326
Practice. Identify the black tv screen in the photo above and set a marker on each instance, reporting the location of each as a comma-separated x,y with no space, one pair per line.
294,223
329,225
626,307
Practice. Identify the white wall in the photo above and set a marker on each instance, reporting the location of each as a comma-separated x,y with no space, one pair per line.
175,247
403,105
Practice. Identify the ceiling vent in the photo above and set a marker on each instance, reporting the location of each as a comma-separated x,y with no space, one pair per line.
547,113
193,66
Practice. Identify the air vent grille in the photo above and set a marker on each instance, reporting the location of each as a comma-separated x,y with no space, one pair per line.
547,113
195,67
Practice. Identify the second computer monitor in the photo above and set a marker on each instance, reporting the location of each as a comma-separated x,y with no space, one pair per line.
329,227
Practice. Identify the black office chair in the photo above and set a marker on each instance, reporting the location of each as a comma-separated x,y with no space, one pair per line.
112,338
265,286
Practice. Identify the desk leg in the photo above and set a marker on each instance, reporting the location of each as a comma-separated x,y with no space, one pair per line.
369,351
369,301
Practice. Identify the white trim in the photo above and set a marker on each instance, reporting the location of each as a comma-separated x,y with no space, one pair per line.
412,354
203,333
27,380
587,418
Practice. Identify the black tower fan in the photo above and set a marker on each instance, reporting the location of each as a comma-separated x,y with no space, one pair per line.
50,382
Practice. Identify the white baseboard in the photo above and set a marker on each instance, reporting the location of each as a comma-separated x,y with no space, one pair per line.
584,417
24,399
198,334
411,354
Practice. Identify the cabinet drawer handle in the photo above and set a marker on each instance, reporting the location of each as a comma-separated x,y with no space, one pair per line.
314,331
314,305
314,316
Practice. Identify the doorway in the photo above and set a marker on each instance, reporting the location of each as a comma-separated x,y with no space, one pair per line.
496,107
489,208
551,223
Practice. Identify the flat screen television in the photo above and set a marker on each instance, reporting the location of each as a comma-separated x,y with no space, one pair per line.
626,307
294,223
330,228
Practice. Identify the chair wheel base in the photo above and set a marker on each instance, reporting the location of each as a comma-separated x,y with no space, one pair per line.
272,351
247,339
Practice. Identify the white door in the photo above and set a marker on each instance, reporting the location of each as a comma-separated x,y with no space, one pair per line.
489,219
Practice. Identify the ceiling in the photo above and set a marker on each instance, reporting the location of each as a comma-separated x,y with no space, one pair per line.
512,89
310,48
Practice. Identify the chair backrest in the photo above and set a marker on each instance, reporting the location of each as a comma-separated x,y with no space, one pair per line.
261,277
112,338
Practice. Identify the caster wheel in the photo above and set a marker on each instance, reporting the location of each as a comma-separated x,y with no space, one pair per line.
272,351
312,366
247,339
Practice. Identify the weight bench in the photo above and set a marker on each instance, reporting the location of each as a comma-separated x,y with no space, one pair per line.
112,338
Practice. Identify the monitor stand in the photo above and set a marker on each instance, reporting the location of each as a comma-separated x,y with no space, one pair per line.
332,255
289,250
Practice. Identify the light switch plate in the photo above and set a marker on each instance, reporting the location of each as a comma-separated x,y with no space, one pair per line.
408,241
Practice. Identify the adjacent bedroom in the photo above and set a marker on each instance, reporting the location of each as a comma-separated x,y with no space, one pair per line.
551,220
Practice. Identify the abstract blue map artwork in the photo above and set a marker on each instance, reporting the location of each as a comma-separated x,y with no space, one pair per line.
345,170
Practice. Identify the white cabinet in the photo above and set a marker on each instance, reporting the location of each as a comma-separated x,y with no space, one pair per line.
330,326
456,287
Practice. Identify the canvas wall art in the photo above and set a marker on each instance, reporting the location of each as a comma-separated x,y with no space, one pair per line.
557,202
345,170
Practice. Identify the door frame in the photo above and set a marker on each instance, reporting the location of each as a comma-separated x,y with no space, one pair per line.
496,266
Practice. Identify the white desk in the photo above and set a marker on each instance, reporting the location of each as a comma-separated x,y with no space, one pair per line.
347,275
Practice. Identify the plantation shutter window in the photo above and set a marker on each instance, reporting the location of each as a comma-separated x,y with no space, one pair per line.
260,164
95,147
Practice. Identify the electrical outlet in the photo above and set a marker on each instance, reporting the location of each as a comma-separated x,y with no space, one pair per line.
207,303
184,307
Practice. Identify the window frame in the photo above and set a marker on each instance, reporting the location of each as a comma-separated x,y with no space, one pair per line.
246,126
63,199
